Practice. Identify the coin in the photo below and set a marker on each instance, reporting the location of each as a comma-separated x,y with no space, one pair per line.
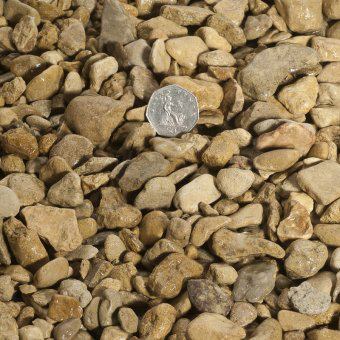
172,110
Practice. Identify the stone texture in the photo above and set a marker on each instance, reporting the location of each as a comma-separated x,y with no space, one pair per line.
324,116
25,34
276,160
327,48
328,234
9,202
64,307
72,37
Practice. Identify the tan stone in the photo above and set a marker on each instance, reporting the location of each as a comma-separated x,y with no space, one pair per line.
12,90
276,160
212,39
64,307
328,48
329,234
292,321
25,34
72,37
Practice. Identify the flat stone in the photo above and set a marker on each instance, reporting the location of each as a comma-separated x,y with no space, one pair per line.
209,95
201,189
83,252
64,307
142,168
255,281
232,247
308,300
72,37
327,48
215,327
9,202
261,77
167,278
185,15
101,113
276,160
170,147
291,321
46,84
57,225
305,258
116,25
321,181
216,58
50,273
207,296
328,234
24,244
67,192
177,49
94,165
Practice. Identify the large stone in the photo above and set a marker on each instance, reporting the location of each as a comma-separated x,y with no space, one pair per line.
101,114
116,25
233,247
214,327
321,181
200,189
261,77
167,278
57,225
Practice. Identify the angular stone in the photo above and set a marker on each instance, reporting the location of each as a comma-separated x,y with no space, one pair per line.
328,234
72,37
101,113
214,327
12,90
332,213
243,313
250,215
46,84
255,281
143,82
321,181
25,34
102,70
58,226
167,278
327,48
212,39
138,53
261,77
216,58
256,26
232,247
116,25
276,160
232,9
64,307
209,95
201,189
114,248
207,296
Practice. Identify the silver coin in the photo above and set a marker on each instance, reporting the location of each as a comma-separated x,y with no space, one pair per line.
172,110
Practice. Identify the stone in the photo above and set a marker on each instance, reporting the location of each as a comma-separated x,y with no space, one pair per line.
305,258
159,58
330,73
113,332
67,192
233,10
291,321
14,10
321,181
30,332
167,278
212,39
201,189
261,77
6,288
44,326
331,9
83,252
232,247
95,164
101,70
243,313
185,15
143,82
90,317
67,329
323,334
289,135
9,202
157,321
20,142
207,296
57,225
308,300
301,16
138,53
25,244
227,178
128,320
157,193
115,19
54,169
124,273
12,90
205,227
328,94
64,307
101,113
209,95
269,329
46,84
93,182
324,116
251,215
256,26
276,160
72,37
215,327
111,301
254,282
113,248
300,97
77,289
51,272
25,34
48,36
332,213
177,49
327,48
178,231
216,58
328,234
152,227
222,274
153,164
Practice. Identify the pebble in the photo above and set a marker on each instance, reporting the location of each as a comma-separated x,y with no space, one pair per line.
207,296
222,274
157,321
305,258
25,34
113,248
215,327
201,189
14,10
276,160
159,58
324,116
256,26
138,53
250,215
308,300
328,234
77,289
324,192
101,70
58,225
30,332
9,202
111,301
292,321
72,37
152,227
112,332
67,329
243,313
128,320
254,282
64,307
269,329
212,39
327,48
167,278
332,213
